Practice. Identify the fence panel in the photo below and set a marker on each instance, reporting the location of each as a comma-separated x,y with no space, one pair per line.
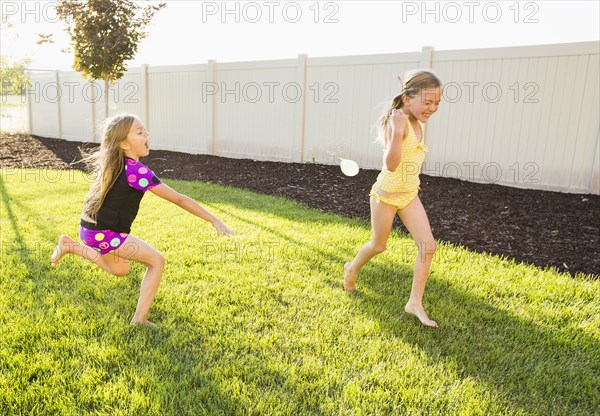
43,96
344,99
539,132
75,108
178,109
521,116
255,110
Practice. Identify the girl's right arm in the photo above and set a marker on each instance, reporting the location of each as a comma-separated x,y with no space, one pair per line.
187,203
395,131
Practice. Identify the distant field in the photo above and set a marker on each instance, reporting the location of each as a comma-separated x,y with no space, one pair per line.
13,113
13,101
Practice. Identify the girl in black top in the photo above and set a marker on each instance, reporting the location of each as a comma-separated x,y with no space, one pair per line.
112,204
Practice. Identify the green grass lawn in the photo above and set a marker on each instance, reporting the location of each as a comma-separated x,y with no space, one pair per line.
259,324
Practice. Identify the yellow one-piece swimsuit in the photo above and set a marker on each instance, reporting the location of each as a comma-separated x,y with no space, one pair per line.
401,186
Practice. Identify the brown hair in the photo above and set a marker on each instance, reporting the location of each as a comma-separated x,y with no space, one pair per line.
413,82
107,163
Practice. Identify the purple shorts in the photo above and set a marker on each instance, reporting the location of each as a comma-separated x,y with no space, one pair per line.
103,241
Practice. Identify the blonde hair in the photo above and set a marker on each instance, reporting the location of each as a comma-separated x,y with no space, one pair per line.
413,82
107,163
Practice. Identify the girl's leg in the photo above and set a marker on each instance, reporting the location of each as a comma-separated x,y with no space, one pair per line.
416,222
107,262
135,249
382,218
117,263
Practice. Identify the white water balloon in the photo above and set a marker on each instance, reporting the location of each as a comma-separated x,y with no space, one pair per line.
349,167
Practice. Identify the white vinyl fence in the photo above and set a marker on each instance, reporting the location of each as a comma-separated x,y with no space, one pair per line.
521,116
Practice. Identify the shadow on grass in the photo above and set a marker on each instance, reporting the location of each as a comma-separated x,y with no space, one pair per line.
21,247
245,199
173,379
240,200
540,369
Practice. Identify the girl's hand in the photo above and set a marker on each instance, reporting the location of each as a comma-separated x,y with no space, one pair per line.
222,229
398,120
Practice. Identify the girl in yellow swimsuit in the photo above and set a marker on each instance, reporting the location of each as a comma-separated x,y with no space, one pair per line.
400,186
395,192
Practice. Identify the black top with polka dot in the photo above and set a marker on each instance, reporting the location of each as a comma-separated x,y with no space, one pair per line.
122,202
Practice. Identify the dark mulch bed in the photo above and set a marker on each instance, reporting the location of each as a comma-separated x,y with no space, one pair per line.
537,227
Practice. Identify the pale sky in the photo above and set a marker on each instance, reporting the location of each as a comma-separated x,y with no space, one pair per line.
191,32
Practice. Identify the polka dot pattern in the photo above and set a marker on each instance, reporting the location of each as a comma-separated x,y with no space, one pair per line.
405,178
139,176
400,187
400,202
103,241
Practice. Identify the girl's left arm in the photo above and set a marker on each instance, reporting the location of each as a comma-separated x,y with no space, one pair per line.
166,192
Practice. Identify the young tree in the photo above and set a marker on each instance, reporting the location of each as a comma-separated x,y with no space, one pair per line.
104,35
13,76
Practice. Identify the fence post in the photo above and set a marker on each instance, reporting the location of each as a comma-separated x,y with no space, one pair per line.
93,102
58,97
594,187
300,109
426,56
146,92
29,109
211,106
426,62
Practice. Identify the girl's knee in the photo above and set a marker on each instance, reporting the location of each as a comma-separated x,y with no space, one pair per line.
378,248
427,246
122,272
158,260
119,269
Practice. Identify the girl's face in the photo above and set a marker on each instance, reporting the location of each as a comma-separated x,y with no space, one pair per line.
423,105
135,144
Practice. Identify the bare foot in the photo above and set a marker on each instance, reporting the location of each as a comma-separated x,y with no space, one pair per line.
61,249
349,278
419,312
